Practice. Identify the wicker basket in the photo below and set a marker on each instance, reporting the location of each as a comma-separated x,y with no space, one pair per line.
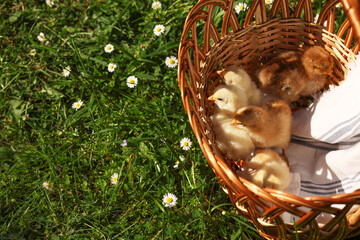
210,42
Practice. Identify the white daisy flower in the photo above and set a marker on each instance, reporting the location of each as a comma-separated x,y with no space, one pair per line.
185,143
109,48
169,200
156,5
50,3
316,18
159,29
33,52
171,62
25,117
66,71
269,2
114,178
339,5
182,158
47,185
176,164
240,7
41,37
77,105
131,81
111,67
124,143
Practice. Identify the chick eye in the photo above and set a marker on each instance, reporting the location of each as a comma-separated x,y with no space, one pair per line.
287,88
220,99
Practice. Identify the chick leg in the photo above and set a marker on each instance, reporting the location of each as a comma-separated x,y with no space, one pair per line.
285,157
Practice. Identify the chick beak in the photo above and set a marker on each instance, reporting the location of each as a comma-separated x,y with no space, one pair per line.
220,72
234,122
212,98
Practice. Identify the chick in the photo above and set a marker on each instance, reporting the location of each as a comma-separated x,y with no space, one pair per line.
283,77
268,126
318,64
293,74
266,169
229,97
233,141
233,75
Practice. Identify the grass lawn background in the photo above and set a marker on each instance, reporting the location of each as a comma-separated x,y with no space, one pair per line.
44,139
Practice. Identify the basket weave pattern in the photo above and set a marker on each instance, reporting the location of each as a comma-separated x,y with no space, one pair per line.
209,44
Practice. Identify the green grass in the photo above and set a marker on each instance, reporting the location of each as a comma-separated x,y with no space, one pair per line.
78,151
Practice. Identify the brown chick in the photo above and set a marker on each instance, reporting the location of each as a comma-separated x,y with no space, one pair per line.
294,74
318,64
267,170
268,126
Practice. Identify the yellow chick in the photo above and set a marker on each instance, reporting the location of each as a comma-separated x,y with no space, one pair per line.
229,97
233,75
267,170
269,125
233,141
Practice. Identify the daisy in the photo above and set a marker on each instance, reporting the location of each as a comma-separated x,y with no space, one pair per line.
47,185
156,5
269,2
339,5
50,3
32,52
114,178
159,29
240,7
66,71
182,158
176,164
131,81
41,37
111,67
109,48
169,200
124,143
25,117
185,143
171,62
77,105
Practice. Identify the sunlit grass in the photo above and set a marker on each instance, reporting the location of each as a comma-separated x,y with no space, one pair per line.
70,123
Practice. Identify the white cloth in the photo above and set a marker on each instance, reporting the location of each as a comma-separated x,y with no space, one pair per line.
324,152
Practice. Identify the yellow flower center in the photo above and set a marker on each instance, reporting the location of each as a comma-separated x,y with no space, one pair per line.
109,48
158,29
169,200
77,105
48,185
66,71
172,61
111,66
132,81
267,1
156,5
25,118
115,179
185,143
241,7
